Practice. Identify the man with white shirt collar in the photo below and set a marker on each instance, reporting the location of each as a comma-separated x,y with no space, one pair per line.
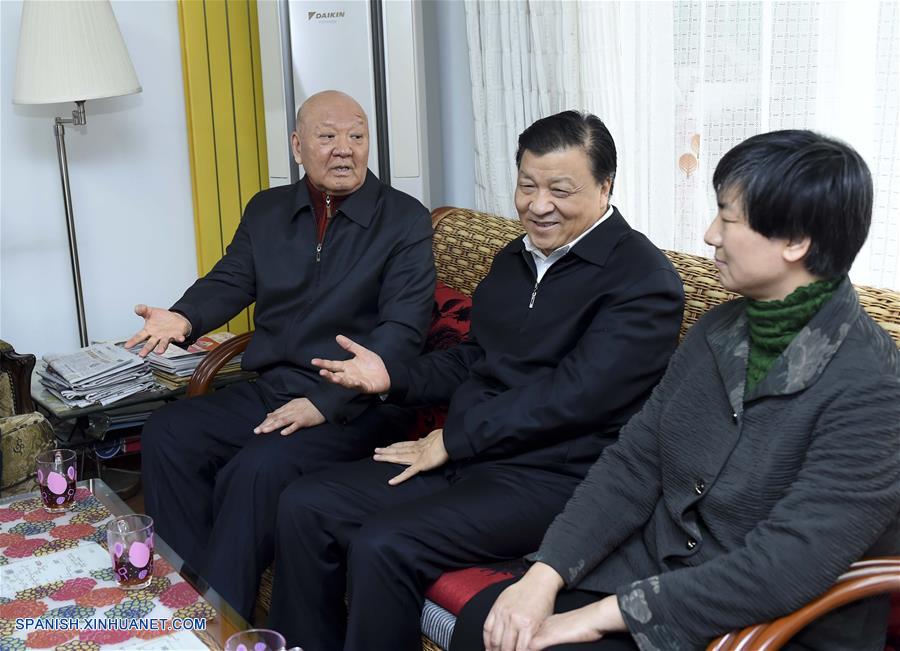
571,328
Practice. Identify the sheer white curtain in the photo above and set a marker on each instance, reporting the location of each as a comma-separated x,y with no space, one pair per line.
627,79
524,62
679,84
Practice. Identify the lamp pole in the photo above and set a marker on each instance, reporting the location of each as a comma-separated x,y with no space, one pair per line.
78,118
71,51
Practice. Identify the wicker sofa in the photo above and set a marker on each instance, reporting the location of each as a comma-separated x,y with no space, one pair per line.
465,243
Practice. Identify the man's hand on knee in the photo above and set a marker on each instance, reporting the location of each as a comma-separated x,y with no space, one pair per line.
425,454
296,414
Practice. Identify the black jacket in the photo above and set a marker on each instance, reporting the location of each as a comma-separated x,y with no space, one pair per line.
372,280
553,381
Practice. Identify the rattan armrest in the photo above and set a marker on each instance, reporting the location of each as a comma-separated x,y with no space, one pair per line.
213,363
866,578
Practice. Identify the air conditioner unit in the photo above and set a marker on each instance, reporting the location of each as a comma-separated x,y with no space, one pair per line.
369,49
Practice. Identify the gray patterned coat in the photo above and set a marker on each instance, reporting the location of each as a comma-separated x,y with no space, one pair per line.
733,510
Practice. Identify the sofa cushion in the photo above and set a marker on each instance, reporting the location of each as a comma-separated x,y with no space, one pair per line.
22,437
7,397
446,597
449,326
454,589
450,315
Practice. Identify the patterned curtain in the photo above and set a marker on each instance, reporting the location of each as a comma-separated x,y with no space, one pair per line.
679,84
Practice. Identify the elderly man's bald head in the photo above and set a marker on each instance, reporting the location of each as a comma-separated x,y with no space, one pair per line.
331,141
328,100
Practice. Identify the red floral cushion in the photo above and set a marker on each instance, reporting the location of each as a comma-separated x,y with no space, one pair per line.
449,326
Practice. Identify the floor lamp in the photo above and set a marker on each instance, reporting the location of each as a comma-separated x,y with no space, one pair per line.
71,52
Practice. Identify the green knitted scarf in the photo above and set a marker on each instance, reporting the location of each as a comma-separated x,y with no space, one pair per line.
774,324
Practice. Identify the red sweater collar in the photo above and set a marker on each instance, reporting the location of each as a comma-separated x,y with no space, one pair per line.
318,200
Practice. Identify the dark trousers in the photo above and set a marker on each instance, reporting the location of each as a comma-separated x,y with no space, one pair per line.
393,542
212,485
470,623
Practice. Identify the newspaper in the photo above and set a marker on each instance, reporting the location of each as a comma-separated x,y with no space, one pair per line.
91,363
99,374
175,366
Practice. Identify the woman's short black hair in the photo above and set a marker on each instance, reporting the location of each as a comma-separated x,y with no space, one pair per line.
573,129
797,183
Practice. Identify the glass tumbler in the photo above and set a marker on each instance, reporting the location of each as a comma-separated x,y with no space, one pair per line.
56,476
130,541
257,639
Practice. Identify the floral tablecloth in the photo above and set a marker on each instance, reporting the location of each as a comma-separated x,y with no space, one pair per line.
74,580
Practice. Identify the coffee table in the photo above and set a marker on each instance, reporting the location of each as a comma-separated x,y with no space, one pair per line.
33,543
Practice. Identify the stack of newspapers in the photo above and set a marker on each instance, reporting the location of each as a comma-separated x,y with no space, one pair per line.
99,374
173,368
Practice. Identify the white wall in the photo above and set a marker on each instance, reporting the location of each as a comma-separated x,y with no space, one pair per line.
131,193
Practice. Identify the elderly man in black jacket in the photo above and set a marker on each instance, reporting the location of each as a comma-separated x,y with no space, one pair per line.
337,251
571,328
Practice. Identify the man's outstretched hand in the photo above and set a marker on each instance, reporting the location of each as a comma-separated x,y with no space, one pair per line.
161,327
364,372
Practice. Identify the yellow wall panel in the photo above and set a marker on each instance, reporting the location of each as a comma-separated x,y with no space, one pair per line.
244,106
226,123
223,112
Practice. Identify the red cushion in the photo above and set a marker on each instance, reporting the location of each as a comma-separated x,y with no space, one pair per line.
449,326
449,318
454,589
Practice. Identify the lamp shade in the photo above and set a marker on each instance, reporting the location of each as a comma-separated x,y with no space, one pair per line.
71,50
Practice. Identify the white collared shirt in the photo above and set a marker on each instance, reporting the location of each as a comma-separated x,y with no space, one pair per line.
543,262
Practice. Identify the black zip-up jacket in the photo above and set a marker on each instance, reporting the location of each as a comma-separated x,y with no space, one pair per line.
372,280
554,379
